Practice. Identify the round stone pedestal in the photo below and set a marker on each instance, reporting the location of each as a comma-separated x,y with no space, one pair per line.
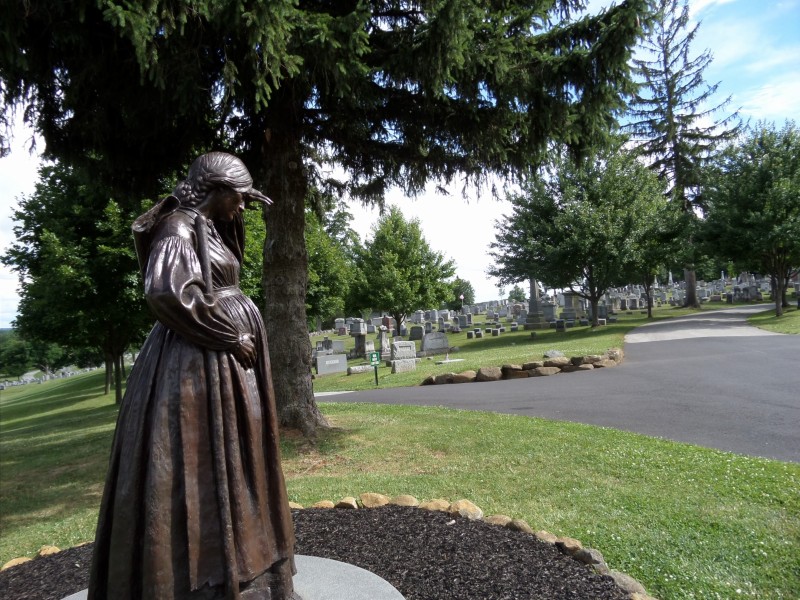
325,579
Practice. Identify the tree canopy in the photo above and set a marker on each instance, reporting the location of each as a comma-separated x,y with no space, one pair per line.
394,93
754,204
330,272
580,226
517,294
79,284
399,272
463,293
18,356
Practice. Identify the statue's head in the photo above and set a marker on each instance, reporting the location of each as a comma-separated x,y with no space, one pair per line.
217,170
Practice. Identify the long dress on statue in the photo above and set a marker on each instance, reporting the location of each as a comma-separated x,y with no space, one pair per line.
195,504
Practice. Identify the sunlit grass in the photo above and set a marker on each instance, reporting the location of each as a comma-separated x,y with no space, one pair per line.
54,444
688,522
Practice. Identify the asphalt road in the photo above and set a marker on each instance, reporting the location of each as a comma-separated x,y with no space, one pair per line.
707,379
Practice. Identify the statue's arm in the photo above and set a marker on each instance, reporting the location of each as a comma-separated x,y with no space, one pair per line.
176,294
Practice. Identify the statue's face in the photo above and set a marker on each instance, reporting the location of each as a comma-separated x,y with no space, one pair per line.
225,204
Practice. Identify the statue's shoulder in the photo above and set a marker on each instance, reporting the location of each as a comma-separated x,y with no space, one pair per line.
178,223
164,220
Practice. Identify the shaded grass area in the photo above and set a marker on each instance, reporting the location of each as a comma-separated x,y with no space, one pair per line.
789,322
688,522
55,440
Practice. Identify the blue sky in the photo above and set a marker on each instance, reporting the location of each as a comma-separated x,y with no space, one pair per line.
756,50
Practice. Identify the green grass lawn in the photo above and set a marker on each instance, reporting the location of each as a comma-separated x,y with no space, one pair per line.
789,322
54,444
688,522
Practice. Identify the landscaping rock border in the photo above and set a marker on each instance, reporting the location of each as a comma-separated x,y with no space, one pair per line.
466,509
549,365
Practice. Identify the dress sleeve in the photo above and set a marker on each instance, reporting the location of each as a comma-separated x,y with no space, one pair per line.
174,290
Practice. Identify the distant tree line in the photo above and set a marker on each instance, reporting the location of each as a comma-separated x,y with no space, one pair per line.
19,356
81,290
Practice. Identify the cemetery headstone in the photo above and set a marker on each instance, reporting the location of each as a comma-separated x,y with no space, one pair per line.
403,357
403,349
382,341
331,363
435,343
549,311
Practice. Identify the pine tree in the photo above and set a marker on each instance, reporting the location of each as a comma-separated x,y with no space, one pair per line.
670,115
393,92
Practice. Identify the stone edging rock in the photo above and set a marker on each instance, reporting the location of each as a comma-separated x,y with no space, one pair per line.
549,365
466,509
460,508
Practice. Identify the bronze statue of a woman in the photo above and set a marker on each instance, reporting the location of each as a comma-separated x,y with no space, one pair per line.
195,504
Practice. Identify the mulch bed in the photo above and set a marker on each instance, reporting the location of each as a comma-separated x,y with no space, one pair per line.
426,555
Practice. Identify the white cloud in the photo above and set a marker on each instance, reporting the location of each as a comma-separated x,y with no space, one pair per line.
458,227
698,6
774,59
773,101
730,41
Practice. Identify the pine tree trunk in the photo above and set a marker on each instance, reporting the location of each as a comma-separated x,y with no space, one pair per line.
690,277
285,278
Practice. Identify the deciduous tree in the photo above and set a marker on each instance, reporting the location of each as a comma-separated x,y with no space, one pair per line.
517,294
400,273
330,272
578,227
78,271
463,293
754,204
